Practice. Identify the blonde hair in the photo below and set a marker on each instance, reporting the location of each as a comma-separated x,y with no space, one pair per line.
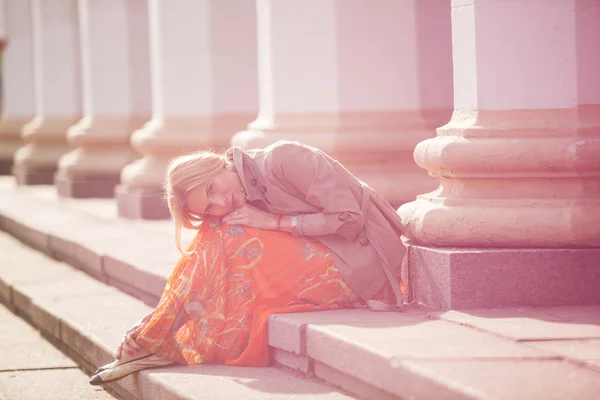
183,174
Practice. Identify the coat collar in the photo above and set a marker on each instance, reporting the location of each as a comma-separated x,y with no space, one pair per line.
250,174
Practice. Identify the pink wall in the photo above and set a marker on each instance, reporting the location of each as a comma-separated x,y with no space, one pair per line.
17,61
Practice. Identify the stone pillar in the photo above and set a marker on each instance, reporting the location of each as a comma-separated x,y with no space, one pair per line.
364,81
116,96
18,106
203,67
56,90
518,164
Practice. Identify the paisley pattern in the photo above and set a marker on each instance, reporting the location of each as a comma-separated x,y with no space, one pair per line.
216,303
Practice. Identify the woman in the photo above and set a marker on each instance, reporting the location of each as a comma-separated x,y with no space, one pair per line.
282,229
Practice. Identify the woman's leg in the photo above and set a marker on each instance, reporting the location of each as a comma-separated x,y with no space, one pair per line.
217,300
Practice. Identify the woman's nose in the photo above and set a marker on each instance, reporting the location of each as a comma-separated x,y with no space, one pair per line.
220,200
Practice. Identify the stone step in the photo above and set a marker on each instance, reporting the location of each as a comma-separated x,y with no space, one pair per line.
87,234
416,354
87,319
31,368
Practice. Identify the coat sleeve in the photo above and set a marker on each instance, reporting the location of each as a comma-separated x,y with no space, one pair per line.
312,174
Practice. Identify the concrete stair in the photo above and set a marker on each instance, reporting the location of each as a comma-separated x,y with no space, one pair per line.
420,354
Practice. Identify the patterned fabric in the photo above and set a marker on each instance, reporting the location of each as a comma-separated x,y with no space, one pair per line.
216,303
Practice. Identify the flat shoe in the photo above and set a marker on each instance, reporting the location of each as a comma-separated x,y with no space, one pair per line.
104,367
113,373
107,366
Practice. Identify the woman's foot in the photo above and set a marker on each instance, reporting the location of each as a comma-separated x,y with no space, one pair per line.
107,366
125,357
126,365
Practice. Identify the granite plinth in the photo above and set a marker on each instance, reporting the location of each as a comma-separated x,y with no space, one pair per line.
84,186
6,167
452,278
34,175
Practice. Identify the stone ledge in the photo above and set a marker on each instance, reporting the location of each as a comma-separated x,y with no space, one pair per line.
505,379
366,352
294,361
451,278
235,383
526,324
350,383
109,249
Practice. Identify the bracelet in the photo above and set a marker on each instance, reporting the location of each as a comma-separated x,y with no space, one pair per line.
294,225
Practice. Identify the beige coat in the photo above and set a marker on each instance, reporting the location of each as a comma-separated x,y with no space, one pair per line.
358,227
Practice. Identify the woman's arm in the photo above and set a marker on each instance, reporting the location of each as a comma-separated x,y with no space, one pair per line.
313,174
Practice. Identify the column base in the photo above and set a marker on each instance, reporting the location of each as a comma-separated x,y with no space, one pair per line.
453,278
511,179
10,141
85,185
141,203
34,175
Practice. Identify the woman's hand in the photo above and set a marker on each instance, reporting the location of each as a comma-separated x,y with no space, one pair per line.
128,344
252,217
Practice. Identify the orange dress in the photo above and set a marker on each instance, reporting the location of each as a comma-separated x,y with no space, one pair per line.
216,303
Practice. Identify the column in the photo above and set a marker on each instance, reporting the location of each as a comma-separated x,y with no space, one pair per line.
518,164
116,96
18,105
364,81
203,67
56,90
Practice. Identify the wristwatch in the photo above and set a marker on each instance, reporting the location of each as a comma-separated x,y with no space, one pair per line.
294,225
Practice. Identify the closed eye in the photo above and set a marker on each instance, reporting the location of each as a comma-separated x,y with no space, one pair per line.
209,190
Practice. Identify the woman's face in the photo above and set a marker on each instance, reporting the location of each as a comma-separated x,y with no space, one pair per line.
218,197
